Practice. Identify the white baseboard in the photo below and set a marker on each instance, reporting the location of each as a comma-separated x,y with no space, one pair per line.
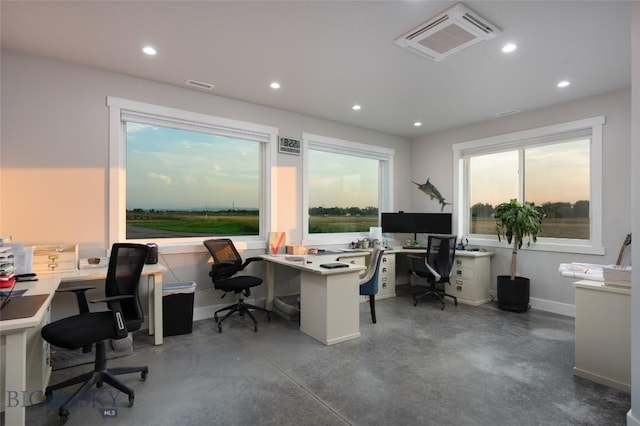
548,306
554,307
632,420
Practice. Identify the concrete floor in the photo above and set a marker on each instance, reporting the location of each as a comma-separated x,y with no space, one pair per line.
417,366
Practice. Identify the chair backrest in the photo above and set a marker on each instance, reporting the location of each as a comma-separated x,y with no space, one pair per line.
125,267
441,251
222,250
369,282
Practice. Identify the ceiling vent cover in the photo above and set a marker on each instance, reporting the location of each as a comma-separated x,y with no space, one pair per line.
447,33
199,84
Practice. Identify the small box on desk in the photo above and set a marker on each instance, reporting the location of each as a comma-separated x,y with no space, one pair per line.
296,250
55,258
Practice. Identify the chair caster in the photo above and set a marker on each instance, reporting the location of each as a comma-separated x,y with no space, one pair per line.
219,328
48,395
64,415
131,399
255,327
143,374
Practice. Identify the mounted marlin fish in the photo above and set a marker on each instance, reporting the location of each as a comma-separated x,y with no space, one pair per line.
432,192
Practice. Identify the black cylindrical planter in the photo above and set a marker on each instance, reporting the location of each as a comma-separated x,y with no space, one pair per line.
513,295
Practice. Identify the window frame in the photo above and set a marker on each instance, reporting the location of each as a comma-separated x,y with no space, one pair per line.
188,120
339,146
548,134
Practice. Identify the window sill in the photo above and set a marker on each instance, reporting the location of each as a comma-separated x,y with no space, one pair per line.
543,244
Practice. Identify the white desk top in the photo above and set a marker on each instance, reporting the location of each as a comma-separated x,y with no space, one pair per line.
42,286
49,282
90,274
600,286
312,263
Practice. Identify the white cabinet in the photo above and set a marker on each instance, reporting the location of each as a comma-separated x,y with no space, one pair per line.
38,366
387,276
38,361
603,334
471,278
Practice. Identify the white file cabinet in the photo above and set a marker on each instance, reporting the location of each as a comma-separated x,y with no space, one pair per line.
470,279
387,276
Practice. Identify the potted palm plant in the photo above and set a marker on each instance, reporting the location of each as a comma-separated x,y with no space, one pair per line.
516,222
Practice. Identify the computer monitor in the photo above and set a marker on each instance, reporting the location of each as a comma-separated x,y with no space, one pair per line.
417,223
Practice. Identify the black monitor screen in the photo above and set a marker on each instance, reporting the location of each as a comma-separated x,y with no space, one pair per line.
410,223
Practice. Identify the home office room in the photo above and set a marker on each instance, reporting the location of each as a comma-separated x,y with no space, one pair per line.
299,212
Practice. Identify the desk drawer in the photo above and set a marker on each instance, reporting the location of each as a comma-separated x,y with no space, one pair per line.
55,258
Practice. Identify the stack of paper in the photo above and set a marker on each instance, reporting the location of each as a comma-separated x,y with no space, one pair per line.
617,276
7,265
586,271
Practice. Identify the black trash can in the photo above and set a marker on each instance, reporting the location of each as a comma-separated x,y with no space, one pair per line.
177,308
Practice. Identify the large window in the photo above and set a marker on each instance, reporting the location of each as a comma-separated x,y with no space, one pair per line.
557,167
347,185
187,176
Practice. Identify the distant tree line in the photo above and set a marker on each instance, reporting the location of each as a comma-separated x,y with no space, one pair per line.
343,211
139,213
558,210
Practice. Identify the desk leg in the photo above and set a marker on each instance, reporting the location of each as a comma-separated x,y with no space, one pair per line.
15,378
155,307
330,306
271,276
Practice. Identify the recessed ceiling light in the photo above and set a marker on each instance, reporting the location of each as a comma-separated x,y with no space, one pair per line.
356,107
509,47
275,85
417,124
564,83
148,50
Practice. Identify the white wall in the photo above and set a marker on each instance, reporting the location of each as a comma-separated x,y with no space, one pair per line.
54,156
431,156
633,417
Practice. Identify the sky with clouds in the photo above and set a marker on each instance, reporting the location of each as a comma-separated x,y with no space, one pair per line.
201,171
553,173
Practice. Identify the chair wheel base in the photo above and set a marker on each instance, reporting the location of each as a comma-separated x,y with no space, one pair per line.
64,415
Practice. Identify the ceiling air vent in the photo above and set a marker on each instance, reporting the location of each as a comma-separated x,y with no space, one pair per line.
447,33
200,84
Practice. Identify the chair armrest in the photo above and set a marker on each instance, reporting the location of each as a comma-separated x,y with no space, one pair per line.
112,298
83,307
116,310
249,260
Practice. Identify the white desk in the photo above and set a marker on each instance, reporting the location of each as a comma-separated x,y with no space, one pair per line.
603,334
329,298
14,332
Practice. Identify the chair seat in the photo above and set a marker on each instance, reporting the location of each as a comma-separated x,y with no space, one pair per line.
422,272
84,329
238,283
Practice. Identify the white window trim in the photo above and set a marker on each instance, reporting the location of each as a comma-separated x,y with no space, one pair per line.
460,186
339,146
267,136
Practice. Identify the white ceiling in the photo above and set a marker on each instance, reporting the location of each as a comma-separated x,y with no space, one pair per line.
329,55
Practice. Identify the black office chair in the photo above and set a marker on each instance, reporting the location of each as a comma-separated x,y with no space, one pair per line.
226,264
369,280
82,330
438,265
